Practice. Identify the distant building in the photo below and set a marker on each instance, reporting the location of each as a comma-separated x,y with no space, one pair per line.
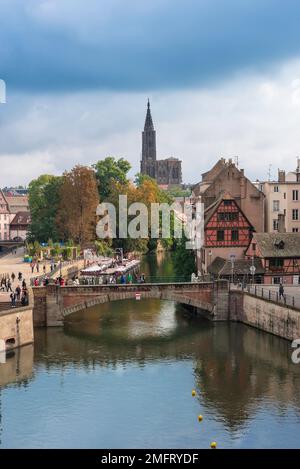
15,191
166,172
282,202
279,254
5,217
10,206
19,225
225,176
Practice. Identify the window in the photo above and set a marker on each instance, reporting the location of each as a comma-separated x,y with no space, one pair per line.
227,203
295,214
295,195
220,235
254,246
227,216
276,188
284,195
275,205
277,280
275,225
234,235
295,230
276,262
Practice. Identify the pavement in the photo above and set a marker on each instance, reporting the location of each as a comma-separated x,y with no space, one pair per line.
291,293
14,263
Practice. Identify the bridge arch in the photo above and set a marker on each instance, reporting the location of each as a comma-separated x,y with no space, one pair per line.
176,297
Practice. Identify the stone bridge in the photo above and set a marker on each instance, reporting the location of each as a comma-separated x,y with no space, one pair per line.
52,304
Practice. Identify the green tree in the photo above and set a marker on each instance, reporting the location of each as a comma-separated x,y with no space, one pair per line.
109,170
184,259
76,216
43,204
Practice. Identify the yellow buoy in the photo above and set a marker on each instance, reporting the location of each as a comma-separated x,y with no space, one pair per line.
193,393
213,445
200,418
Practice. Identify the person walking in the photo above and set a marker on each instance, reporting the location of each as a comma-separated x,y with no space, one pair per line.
3,284
24,299
13,299
18,293
281,291
13,277
8,286
20,275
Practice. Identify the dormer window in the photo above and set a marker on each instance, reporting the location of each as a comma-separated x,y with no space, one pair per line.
279,244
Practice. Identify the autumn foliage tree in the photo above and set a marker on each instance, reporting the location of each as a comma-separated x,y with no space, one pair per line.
144,190
76,217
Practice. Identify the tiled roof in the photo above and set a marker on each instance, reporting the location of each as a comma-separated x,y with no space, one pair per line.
221,266
16,200
21,218
278,244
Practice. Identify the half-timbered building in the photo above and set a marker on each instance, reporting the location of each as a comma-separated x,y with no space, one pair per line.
228,231
279,254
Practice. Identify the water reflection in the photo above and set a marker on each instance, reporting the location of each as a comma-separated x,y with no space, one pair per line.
235,366
137,362
17,367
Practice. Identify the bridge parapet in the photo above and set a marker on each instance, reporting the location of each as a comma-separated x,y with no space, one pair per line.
55,303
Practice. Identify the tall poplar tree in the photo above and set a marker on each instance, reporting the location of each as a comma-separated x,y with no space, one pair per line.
76,217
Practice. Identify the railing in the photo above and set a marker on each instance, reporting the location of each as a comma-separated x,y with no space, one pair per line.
272,295
52,272
151,279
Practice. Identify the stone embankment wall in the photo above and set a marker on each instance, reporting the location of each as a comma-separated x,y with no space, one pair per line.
265,315
16,326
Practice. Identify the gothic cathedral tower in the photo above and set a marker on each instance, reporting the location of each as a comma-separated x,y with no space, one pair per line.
148,163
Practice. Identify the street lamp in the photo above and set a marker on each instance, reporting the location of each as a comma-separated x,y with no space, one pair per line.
60,262
209,259
232,260
252,269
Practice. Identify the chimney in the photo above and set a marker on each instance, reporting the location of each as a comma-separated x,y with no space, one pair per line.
242,172
281,175
298,170
281,223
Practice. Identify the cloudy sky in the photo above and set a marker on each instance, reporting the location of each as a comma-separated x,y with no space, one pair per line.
223,77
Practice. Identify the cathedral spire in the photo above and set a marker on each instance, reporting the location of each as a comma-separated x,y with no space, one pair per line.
148,122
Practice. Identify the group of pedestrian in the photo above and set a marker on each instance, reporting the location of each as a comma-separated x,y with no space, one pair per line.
19,295
7,281
36,265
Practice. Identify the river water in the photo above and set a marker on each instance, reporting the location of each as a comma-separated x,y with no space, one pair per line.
121,375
